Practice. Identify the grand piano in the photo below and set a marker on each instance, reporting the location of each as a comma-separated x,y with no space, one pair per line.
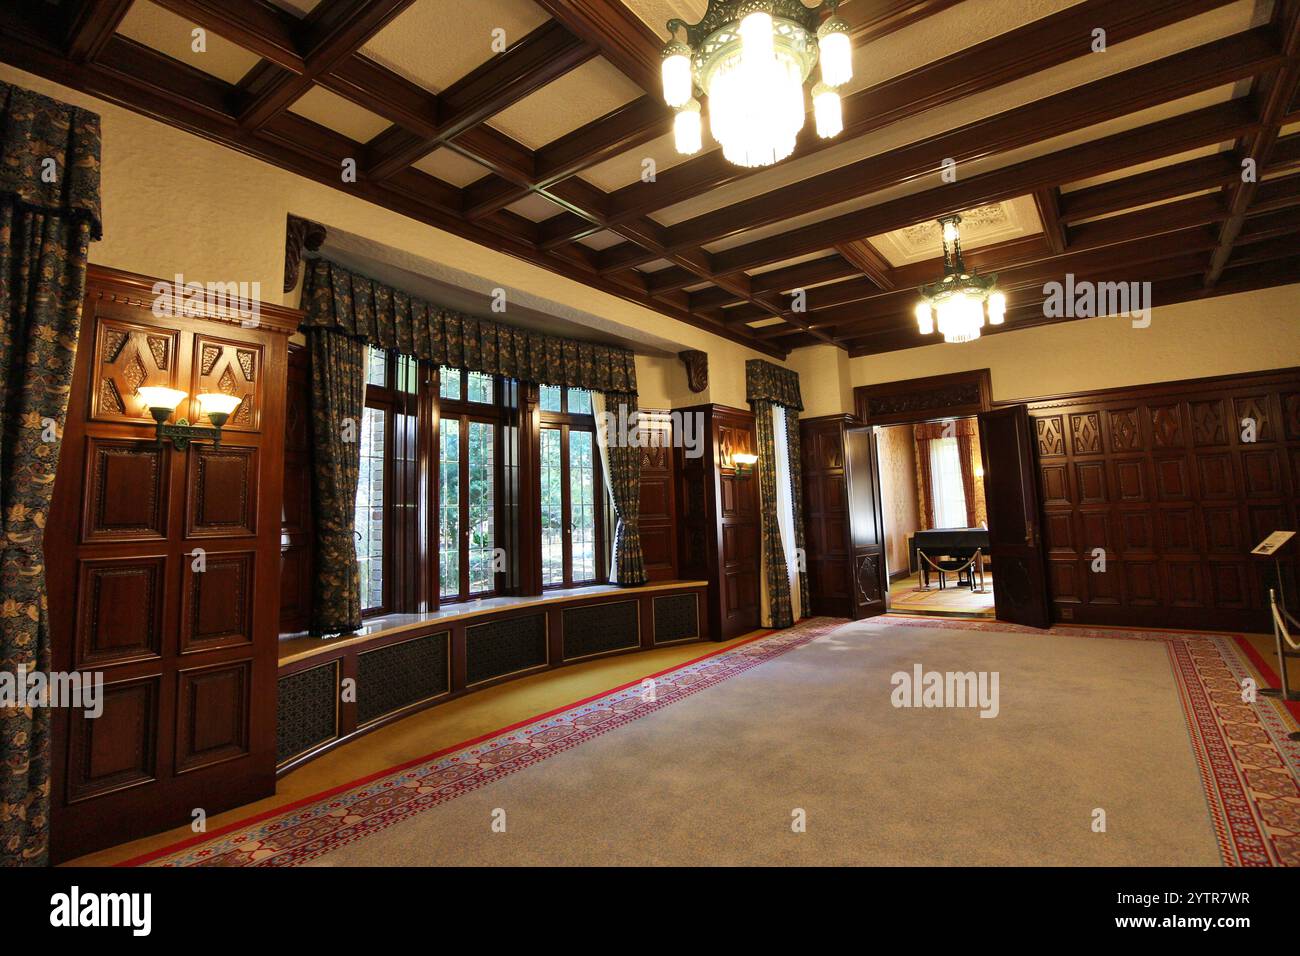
959,543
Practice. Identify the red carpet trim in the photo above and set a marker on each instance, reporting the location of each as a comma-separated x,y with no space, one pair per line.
1250,771
293,835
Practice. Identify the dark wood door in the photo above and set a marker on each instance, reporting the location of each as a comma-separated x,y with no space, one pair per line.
870,576
1015,538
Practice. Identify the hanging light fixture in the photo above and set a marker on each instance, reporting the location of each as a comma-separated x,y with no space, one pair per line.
751,59
956,304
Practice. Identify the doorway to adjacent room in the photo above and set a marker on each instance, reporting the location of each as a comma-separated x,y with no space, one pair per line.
936,518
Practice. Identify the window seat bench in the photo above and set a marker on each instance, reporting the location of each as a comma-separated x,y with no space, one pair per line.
399,664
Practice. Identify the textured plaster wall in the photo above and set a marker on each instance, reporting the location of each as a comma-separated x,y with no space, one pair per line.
1249,332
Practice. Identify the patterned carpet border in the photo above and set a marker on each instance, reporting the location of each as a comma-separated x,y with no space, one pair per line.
318,825
1250,770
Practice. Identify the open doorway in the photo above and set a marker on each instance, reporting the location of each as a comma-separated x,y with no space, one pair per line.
936,518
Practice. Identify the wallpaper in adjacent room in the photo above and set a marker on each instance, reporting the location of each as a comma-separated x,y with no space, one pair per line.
898,491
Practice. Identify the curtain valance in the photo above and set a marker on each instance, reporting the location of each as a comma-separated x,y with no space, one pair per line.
765,382
336,298
50,156
951,428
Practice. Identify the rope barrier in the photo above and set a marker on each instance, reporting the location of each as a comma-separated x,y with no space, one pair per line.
968,564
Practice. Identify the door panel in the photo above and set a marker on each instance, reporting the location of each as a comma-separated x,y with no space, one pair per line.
870,577
1015,538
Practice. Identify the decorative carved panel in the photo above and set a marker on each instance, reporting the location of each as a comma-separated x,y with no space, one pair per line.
212,714
217,602
120,610
1207,423
1125,430
232,368
222,485
1051,436
1166,425
697,369
1085,433
1253,409
126,491
127,356
118,748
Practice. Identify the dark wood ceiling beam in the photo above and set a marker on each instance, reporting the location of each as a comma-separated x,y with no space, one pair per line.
1167,182
1048,203
1142,225
620,35
863,255
1153,141
331,33
542,56
147,82
1172,78
1045,43
1019,283
1286,153
258,27
902,333
90,26
1276,93
1274,194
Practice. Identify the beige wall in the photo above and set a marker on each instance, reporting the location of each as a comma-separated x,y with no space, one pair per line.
173,202
1230,334
823,380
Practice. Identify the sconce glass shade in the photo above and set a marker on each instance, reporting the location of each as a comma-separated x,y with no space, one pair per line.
158,396
744,458
217,405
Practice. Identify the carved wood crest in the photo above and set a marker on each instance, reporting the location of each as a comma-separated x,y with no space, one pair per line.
697,369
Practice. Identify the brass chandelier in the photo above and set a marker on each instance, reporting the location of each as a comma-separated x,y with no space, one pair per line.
956,304
751,59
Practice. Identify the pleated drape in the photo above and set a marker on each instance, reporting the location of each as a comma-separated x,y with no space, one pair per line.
49,214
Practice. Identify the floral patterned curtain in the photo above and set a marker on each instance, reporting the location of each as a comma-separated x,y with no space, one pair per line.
338,398
767,385
49,214
966,431
622,465
335,298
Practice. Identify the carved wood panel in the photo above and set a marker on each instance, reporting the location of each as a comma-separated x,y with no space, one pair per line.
232,368
128,355
120,610
126,491
658,511
222,491
1177,482
188,655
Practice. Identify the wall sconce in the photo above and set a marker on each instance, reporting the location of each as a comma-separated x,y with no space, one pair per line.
744,463
163,401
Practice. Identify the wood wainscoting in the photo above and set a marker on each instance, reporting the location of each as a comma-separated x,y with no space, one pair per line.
658,507
1165,479
163,568
719,518
405,663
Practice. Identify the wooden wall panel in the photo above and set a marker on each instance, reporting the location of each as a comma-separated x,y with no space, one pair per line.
296,530
719,517
156,575
1177,482
659,511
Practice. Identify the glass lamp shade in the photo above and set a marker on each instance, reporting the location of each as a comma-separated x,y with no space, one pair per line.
997,308
961,316
836,52
925,318
756,37
687,128
159,397
676,72
744,458
217,405
826,110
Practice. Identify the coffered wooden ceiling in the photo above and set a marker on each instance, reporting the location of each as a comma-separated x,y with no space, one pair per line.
1120,165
